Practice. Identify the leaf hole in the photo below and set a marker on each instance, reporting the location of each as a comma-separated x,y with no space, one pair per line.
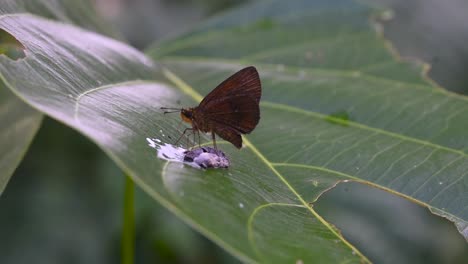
10,46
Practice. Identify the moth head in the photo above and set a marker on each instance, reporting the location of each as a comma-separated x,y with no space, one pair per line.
187,115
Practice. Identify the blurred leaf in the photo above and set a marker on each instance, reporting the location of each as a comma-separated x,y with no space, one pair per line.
337,106
413,29
19,125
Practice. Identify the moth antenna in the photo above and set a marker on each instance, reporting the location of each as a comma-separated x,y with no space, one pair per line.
171,110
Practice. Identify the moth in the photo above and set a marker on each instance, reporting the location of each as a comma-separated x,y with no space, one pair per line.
230,110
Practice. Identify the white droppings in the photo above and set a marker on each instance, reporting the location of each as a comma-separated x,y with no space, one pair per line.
315,183
160,130
230,174
209,160
354,252
299,261
440,183
170,152
177,154
241,205
151,143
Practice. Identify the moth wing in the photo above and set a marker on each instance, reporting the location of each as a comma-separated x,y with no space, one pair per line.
241,113
244,82
230,134
232,108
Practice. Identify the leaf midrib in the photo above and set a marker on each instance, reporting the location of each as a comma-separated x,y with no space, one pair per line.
360,126
196,96
103,87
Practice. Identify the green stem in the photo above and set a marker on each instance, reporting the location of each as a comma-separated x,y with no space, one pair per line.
128,229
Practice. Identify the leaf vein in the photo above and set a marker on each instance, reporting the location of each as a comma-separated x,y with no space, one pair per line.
361,126
103,87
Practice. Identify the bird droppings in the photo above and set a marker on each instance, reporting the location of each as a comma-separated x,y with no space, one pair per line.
200,158
241,205
151,143
207,157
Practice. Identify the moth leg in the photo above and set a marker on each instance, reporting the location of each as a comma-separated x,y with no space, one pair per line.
191,144
183,133
214,139
193,141
198,133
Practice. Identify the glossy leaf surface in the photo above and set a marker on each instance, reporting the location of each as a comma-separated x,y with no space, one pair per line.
19,121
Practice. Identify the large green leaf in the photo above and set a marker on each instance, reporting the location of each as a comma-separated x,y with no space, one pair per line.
19,121
337,99
336,106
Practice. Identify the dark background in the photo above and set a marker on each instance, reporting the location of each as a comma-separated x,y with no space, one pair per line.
64,202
